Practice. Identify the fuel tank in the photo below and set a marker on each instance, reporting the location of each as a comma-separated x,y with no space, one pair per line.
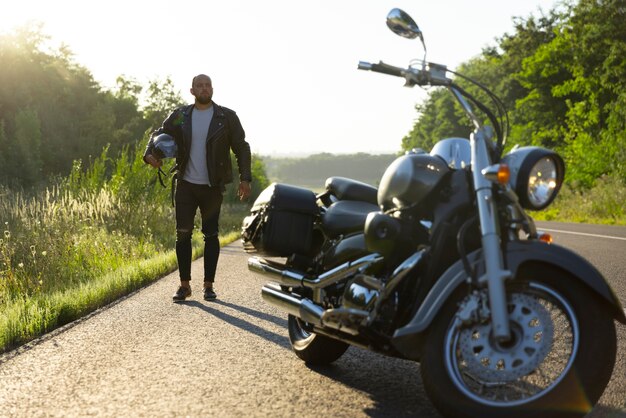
409,180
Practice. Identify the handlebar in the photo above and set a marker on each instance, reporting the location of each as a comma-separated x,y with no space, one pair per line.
431,74
381,67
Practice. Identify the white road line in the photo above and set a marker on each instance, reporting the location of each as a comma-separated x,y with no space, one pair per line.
581,233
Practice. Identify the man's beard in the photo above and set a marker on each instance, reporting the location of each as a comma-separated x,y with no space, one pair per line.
204,99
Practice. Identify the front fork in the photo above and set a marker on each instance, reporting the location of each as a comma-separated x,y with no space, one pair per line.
495,274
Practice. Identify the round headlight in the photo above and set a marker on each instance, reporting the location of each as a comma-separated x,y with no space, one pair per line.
542,182
536,175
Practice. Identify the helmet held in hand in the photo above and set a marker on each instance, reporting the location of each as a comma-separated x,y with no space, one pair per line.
165,146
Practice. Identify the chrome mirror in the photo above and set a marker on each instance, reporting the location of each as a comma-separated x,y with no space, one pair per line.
403,25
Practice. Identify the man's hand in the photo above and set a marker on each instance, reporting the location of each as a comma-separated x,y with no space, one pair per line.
153,161
244,190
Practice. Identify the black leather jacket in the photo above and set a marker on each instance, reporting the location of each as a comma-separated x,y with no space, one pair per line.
225,133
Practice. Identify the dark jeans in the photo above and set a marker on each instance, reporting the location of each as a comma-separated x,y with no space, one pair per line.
190,197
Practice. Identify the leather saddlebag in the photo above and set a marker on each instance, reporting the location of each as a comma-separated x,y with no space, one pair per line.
281,222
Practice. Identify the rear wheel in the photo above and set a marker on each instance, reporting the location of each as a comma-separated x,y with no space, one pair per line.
313,348
557,364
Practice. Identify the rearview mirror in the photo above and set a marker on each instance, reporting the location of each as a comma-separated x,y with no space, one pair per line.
403,25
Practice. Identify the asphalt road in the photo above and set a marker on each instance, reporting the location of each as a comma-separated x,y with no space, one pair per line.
145,356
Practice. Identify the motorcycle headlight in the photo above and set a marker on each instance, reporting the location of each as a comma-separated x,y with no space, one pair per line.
536,175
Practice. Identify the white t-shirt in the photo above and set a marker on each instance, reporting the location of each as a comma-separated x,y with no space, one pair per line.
197,171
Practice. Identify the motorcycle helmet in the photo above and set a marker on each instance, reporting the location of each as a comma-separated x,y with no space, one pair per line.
165,146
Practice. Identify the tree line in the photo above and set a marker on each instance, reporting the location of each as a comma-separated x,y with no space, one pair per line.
52,112
312,171
562,76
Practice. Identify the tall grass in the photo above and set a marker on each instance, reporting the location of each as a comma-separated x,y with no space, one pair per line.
605,203
83,242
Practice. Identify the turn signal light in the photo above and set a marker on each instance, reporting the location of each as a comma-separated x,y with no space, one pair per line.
547,238
504,174
497,173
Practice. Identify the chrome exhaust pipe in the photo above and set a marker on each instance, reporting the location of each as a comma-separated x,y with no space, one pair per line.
273,270
293,304
291,278
311,313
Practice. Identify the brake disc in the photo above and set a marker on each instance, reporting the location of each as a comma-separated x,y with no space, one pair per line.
532,332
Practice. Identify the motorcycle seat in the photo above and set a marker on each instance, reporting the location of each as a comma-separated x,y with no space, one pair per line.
347,189
346,216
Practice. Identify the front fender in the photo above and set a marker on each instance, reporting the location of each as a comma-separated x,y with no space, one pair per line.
521,252
516,255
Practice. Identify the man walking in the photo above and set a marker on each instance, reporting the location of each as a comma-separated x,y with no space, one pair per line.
204,133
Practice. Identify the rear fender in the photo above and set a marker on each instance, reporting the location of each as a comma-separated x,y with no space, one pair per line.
517,255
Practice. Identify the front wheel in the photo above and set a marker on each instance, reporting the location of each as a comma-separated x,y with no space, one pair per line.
313,348
557,363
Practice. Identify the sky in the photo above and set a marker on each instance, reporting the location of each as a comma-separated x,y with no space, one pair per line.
287,67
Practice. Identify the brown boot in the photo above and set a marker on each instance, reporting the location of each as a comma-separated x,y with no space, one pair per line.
181,294
209,293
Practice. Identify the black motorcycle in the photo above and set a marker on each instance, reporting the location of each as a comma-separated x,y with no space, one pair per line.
441,264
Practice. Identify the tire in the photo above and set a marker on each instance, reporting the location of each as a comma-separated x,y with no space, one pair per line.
564,373
314,349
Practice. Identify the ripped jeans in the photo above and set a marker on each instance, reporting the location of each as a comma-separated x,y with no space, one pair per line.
190,197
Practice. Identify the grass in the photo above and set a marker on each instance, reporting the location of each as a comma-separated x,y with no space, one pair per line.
67,252
23,319
83,242
603,204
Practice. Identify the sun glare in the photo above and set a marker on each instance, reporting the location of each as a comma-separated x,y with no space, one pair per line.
18,14
12,17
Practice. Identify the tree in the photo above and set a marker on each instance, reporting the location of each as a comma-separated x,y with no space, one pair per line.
27,164
497,68
438,118
576,85
130,124
162,99
562,76
76,117
5,175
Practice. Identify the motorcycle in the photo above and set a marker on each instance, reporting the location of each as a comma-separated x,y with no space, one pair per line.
444,267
